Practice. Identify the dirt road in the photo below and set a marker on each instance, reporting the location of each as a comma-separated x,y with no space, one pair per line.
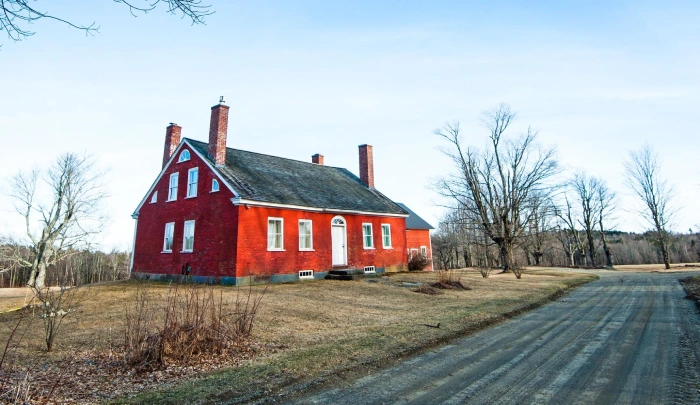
628,338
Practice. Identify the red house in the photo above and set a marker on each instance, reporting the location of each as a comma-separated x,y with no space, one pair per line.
418,236
238,216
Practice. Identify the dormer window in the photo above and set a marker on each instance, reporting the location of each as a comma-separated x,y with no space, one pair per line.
214,185
184,156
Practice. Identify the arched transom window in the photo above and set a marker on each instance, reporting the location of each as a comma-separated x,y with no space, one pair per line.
184,156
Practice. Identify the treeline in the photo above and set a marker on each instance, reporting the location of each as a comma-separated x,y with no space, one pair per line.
457,246
74,267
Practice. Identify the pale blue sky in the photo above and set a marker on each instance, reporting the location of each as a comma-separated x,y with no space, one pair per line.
595,78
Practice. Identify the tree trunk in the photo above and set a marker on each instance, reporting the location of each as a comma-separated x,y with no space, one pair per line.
606,249
591,248
506,257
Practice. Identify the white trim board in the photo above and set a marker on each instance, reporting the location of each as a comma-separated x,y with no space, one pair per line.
241,201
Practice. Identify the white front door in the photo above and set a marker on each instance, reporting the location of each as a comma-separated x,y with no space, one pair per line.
340,253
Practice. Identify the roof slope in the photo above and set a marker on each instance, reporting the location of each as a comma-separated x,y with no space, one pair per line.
414,221
272,179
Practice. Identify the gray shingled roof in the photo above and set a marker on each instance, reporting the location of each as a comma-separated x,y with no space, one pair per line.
414,221
278,180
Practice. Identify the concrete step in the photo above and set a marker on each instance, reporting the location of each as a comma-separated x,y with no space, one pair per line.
347,272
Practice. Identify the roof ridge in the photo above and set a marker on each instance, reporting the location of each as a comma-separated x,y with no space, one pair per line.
268,155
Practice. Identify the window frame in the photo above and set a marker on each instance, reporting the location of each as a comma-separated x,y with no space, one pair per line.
184,237
310,248
281,235
384,236
424,251
365,235
214,189
175,176
171,226
181,158
192,187
154,197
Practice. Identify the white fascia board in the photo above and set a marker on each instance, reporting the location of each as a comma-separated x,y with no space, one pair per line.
240,201
170,161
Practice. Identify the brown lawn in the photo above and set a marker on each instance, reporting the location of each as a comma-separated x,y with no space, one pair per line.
306,330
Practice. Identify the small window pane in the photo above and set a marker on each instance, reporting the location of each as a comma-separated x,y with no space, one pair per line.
386,235
188,240
305,235
214,185
172,191
367,236
168,239
274,233
154,198
192,178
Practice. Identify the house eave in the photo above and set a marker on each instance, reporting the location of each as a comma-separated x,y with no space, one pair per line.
242,201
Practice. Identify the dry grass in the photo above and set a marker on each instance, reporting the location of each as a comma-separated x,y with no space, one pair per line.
314,329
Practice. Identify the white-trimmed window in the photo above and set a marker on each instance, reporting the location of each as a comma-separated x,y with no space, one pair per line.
168,238
172,189
154,197
214,185
188,237
192,179
275,227
424,251
184,156
305,235
367,239
306,274
386,236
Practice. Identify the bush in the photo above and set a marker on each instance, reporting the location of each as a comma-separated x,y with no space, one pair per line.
189,323
418,262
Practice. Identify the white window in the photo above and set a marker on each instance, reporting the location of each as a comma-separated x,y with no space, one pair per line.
274,234
305,235
154,197
192,179
188,237
424,251
306,274
386,235
172,191
214,185
184,156
367,240
168,239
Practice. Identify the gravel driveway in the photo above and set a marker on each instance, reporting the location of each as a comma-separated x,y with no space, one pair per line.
628,338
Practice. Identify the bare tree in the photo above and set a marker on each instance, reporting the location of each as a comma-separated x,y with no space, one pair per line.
66,220
539,230
15,15
568,234
644,179
495,186
586,188
606,202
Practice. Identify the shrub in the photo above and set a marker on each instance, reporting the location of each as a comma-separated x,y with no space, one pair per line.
418,262
191,321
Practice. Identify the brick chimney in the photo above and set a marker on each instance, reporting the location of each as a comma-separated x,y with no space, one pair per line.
172,139
366,165
218,126
317,158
